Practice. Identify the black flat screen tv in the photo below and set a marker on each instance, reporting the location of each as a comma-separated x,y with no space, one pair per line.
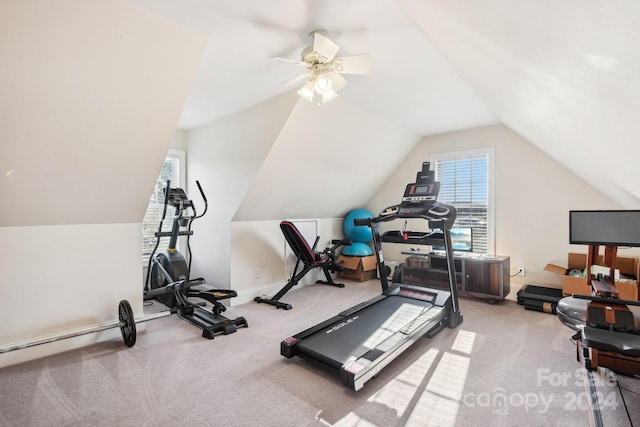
461,239
606,227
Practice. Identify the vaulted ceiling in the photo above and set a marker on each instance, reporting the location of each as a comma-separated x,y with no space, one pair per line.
411,83
564,75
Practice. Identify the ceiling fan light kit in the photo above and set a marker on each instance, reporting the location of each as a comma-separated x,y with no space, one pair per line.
318,90
306,92
324,69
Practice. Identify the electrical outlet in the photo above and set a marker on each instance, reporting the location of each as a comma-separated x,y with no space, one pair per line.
258,273
521,271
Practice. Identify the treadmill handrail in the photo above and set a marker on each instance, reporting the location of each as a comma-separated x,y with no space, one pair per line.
378,219
447,222
438,215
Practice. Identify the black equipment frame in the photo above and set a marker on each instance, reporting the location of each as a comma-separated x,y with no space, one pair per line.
310,259
168,280
400,316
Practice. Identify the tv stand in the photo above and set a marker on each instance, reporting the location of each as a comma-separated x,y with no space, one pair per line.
483,276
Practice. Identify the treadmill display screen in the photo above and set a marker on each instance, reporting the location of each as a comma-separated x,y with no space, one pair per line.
416,295
422,189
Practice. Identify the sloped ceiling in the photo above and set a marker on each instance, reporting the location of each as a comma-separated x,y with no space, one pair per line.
317,170
411,84
90,96
564,75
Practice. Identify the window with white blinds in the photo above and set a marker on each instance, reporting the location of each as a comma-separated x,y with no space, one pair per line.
466,182
173,170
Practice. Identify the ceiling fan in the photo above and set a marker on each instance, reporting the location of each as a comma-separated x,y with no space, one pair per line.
324,69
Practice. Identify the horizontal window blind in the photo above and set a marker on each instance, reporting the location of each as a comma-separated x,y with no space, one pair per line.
464,183
170,171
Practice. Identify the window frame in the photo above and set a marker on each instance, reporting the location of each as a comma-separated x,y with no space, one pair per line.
489,153
180,156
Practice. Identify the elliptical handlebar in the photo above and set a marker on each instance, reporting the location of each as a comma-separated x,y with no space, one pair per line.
204,198
201,192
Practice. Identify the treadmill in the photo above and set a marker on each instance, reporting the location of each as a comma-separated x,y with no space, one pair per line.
363,339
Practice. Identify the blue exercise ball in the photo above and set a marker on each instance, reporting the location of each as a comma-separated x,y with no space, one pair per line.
357,249
357,233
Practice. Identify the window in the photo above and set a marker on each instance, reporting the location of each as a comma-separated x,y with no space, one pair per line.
173,170
466,182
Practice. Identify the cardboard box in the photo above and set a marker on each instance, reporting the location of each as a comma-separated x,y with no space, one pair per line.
358,268
578,285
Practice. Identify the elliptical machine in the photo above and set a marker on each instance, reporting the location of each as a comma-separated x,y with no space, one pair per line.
168,280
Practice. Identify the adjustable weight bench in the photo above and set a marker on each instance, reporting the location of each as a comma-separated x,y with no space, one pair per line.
309,258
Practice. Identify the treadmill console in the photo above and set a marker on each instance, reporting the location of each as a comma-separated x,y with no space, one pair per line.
419,199
424,190
420,193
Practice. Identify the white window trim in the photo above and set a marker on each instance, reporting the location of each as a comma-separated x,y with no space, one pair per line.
490,153
181,156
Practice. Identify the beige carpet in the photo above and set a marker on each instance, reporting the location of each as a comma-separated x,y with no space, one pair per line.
504,366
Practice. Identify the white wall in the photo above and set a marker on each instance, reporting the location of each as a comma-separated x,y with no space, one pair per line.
91,92
225,157
59,278
260,244
321,151
282,159
534,194
561,74
180,140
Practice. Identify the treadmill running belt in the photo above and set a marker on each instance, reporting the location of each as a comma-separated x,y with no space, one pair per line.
365,330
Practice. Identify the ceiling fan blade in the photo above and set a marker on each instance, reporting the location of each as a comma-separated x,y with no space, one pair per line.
357,64
292,61
323,46
337,81
300,77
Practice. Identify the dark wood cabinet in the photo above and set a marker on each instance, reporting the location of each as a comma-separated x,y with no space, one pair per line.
483,276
